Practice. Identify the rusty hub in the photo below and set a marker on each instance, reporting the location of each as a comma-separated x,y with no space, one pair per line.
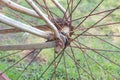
64,28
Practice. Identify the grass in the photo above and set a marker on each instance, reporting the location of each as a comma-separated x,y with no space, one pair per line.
33,72
35,69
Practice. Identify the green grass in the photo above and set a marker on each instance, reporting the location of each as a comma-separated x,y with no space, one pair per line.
35,70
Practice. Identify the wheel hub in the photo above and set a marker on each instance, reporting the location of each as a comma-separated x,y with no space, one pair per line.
64,28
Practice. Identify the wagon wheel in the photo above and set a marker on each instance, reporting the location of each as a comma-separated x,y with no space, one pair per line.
85,39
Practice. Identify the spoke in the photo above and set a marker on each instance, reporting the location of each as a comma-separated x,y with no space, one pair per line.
78,64
16,63
103,67
70,5
74,8
105,41
83,52
102,25
57,65
99,54
65,65
54,65
107,24
96,23
67,9
90,13
51,63
36,52
97,49
77,68
97,63
56,2
94,14
45,8
71,15
10,54
100,35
